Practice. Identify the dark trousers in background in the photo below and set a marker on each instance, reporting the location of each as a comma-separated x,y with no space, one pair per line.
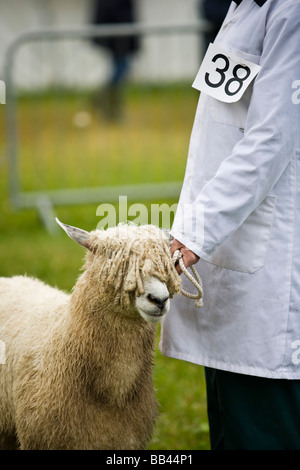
252,413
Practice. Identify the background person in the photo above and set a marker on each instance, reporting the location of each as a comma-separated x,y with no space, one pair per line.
120,48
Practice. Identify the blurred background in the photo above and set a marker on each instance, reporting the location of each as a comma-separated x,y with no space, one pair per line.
92,113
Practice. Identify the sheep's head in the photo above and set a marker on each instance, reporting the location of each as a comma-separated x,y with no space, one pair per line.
134,264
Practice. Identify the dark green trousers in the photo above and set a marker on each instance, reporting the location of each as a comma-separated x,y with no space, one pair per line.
252,413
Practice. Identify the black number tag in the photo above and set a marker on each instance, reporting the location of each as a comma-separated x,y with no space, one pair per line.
224,76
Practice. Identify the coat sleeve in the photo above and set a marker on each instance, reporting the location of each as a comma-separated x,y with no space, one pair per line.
271,141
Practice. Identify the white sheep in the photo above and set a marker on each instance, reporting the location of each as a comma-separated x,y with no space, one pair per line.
78,368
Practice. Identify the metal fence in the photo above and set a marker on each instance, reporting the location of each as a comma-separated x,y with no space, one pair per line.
24,141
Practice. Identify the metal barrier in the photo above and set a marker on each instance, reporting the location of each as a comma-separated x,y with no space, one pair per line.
45,200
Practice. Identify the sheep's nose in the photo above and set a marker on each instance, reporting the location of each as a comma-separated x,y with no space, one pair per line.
161,303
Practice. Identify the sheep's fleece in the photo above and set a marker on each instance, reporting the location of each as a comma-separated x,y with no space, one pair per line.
78,368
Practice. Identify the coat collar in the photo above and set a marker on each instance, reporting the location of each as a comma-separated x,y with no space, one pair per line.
259,2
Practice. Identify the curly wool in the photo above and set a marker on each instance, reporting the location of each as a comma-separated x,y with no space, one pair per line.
124,265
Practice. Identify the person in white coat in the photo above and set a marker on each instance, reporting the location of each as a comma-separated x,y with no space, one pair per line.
239,218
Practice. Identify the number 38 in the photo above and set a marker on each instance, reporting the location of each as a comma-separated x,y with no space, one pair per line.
223,76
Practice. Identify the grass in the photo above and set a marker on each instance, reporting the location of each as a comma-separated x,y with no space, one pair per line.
149,145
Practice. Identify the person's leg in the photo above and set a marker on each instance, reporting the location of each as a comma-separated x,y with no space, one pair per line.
213,410
253,412
112,95
121,66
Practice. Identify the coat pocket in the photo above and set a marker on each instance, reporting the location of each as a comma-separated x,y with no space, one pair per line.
231,114
245,250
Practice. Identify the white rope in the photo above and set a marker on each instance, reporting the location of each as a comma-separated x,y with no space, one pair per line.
197,282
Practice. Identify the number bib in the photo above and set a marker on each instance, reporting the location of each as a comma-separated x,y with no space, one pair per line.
223,75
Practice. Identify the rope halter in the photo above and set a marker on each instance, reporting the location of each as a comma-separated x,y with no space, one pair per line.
196,281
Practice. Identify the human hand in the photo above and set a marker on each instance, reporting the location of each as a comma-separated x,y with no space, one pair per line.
189,257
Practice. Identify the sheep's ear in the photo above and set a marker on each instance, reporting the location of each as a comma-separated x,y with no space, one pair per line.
77,234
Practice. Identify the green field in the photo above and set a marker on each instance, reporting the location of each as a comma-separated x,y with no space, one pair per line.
149,144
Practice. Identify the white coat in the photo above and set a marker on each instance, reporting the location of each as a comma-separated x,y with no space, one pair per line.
243,172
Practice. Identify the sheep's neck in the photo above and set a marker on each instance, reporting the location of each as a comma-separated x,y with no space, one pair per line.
116,353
